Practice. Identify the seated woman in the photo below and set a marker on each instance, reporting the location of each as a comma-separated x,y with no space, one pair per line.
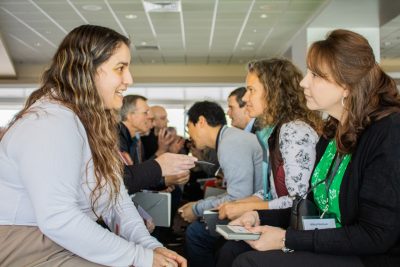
356,181
289,136
60,169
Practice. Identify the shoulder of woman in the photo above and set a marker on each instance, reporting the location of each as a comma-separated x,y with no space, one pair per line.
298,128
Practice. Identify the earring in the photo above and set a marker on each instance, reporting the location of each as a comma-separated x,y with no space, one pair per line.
343,101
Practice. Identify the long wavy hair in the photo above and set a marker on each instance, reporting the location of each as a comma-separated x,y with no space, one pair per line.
347,59
70,80
284,98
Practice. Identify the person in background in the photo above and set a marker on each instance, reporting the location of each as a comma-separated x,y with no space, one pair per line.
240,157
164,171
136,120
289,135
237,111
178,143
160,139
58,180
355,182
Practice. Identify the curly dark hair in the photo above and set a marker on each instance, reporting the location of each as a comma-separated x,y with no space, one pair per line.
284,96
347,58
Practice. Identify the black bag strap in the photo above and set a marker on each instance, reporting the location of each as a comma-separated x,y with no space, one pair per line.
328,176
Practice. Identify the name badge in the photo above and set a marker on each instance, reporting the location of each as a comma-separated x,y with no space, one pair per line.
315,222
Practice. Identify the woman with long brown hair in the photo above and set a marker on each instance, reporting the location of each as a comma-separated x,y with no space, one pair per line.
60,170
355,183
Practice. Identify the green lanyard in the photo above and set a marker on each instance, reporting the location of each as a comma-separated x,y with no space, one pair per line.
330,168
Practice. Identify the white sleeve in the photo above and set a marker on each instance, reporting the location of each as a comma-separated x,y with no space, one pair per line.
297,141
132,227
50,157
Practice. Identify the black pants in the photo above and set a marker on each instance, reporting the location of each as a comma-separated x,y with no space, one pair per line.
239,254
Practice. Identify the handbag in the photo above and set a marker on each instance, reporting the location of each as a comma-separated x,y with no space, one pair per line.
301,207
304,207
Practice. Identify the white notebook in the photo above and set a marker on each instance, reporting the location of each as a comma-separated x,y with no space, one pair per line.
236,232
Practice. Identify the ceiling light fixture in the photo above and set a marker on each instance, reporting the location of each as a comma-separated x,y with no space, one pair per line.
263,16
162,6
250,43
387,43
131,16
91,7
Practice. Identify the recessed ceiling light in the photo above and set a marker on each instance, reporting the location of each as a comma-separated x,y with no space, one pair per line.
162,6
38,44
143,43
131,16
250,43
263,16
91,7
255,30
387,43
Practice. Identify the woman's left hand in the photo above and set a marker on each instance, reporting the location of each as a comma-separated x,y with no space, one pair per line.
271,238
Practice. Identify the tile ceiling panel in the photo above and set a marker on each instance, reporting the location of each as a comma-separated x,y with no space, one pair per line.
233,38
129,7
390,39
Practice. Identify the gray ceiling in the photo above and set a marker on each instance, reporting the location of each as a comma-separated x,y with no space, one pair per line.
211,32
204,32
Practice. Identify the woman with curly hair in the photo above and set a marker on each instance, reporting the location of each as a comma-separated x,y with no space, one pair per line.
60,169
355,183
289,135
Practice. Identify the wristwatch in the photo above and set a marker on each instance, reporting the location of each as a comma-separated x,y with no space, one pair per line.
284,248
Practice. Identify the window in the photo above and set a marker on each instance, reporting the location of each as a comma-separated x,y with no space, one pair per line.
6,115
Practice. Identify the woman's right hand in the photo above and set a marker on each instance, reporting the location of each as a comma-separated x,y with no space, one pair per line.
163,257
248,219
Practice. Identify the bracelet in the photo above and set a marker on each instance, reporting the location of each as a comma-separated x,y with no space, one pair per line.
284,248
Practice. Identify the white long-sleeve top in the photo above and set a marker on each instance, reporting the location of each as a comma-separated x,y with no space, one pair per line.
46,176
